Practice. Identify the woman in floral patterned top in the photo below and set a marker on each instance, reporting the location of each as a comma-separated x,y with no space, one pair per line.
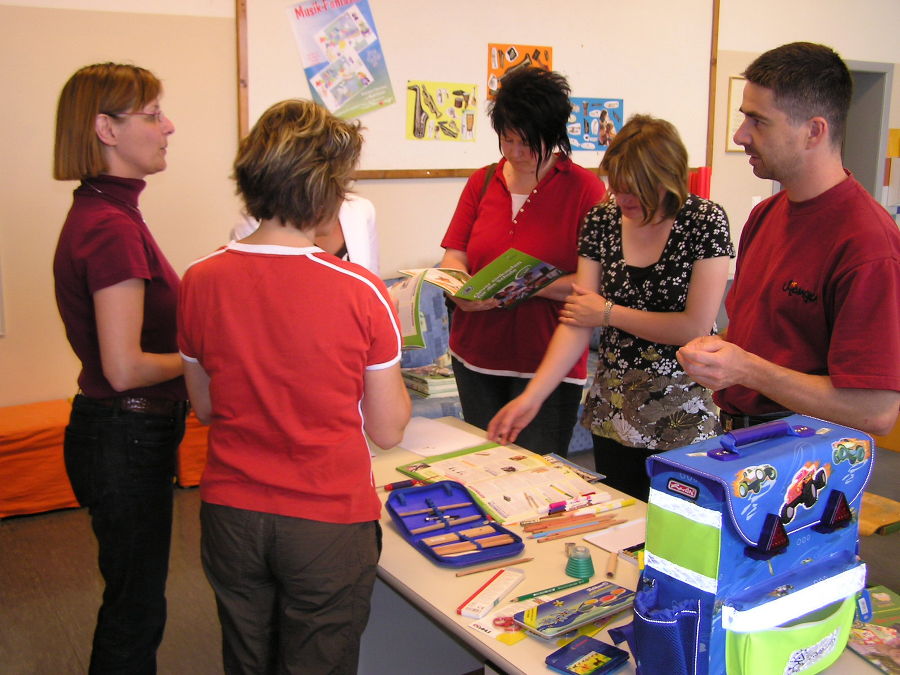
652,268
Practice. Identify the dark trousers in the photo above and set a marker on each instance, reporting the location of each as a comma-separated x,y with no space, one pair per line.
121,466
481,397
625,467
293,595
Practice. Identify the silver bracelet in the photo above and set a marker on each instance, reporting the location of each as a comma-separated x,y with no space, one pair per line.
607,310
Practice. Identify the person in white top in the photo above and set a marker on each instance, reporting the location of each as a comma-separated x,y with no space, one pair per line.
355,240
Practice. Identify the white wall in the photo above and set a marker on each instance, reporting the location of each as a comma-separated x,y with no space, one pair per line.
865,30
656,60
189,207
190,44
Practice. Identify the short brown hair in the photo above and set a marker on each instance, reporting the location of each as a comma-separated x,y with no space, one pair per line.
296,163
95,89
646,154
807,80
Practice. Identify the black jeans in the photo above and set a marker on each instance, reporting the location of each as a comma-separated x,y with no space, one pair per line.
121,466
625,467
481,397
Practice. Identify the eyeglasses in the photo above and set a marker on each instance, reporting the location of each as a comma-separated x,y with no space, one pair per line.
158,115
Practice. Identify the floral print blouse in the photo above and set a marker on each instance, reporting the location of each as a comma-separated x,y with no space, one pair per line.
640,397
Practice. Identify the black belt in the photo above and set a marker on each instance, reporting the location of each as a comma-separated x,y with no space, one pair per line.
730,421
141,404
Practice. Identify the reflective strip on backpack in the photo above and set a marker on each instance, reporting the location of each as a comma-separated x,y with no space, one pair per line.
682,574
683,540
781,610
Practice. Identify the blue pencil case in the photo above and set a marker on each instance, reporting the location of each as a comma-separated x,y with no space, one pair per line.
446,525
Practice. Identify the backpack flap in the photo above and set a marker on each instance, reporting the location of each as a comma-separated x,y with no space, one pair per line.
782,477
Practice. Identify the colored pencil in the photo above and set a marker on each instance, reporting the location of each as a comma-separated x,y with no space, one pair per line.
578,530
488,568
444,526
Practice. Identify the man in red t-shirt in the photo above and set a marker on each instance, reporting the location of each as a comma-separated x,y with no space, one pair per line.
814,309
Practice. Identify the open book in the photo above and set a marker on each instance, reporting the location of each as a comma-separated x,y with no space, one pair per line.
509,278
878,639
511,484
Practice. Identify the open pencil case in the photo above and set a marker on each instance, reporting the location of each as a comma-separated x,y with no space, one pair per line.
445,524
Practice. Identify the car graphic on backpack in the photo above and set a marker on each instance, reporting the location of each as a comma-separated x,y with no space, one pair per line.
804,490
851,449
752,479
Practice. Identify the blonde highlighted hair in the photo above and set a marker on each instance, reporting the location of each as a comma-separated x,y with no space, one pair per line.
296,164
645,155
100,88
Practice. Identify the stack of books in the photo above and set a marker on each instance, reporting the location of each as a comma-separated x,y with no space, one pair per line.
430,381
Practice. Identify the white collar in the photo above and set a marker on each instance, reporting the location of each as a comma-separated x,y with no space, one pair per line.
273,249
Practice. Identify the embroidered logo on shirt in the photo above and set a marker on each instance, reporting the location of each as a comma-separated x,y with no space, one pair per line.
794,288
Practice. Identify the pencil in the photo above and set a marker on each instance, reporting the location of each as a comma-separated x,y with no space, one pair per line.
578,530
611,564
474,544
445,507
487,568
443,526
575,525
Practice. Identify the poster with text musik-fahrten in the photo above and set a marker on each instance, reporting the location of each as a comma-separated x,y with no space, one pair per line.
341,55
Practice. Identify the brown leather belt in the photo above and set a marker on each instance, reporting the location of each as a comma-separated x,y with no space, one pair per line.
730,422
141,404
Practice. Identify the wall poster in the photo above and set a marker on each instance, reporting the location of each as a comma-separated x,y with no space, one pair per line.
503,58
445,111
594,122
341,55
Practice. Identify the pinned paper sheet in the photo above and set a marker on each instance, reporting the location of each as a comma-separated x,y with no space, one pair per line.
429,437
614,539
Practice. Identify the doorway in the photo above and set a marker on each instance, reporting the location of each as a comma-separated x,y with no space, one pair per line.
865,143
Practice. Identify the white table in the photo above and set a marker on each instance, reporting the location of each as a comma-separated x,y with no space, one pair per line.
441,641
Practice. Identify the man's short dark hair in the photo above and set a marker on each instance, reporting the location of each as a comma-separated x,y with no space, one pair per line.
808,80
534,103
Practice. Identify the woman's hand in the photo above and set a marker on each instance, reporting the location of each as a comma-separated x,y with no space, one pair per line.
505,426
474,305
583,308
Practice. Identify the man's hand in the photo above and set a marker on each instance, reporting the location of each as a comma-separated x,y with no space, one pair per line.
713,362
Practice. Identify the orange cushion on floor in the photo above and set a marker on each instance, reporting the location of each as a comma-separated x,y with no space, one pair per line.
32,469
32,472
192,452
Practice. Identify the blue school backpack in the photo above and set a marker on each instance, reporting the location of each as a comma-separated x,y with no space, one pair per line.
751,561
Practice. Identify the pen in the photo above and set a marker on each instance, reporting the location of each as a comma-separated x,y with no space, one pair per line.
552,589
401,484
584,501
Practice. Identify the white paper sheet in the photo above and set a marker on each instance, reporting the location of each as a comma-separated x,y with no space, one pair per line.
616,538
428,437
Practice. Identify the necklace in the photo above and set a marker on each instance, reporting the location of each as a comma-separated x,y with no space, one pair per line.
121,202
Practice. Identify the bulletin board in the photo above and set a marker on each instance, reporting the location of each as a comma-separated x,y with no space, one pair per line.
652,56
